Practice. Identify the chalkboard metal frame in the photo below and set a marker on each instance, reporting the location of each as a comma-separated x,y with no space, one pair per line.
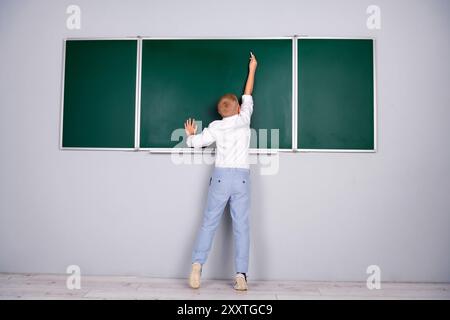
137,98
295,102
294,91
251,150
375,145
137,123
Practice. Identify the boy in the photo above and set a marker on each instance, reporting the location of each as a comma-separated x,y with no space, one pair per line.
230,180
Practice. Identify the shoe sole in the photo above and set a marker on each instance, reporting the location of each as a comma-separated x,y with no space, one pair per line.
241,285
195,284
194,278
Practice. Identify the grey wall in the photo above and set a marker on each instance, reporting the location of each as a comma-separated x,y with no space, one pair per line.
322,217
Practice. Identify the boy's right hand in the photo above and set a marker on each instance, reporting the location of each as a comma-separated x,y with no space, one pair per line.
253,63
190,127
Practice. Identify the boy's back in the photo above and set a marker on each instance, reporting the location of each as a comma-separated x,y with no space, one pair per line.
231,135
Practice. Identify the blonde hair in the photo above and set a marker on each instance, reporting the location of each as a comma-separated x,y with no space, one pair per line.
229,96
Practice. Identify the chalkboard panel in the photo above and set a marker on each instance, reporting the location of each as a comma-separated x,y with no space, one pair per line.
336,94
99,94
184,78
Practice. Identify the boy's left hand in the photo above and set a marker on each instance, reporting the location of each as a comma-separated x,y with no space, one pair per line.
190,127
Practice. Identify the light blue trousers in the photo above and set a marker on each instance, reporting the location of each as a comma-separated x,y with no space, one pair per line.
233,185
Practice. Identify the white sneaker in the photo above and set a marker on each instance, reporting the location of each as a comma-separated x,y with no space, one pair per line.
240,282
194,278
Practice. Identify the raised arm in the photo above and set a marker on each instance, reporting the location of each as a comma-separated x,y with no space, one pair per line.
251,74
246,109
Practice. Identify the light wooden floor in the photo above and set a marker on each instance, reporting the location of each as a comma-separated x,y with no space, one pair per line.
44,286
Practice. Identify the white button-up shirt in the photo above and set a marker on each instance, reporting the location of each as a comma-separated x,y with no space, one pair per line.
231,135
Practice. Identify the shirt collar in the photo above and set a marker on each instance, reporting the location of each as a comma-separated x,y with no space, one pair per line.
230,117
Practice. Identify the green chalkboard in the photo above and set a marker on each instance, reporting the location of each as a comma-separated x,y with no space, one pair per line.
184,78
99,94
335,94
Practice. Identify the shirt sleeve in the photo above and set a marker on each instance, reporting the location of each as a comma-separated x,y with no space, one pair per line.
246,107
203,139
